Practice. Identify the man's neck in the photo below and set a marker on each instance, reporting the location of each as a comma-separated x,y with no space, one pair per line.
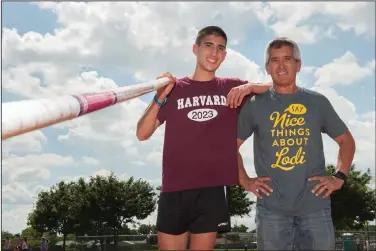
288,89
202,75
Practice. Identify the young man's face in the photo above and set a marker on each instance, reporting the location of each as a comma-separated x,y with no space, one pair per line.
282,66
210,53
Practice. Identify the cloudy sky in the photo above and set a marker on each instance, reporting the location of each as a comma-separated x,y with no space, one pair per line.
51,49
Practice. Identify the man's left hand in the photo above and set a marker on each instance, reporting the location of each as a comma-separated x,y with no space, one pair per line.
236,95
327,184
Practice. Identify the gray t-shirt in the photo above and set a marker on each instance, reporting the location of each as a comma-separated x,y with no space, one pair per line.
288,145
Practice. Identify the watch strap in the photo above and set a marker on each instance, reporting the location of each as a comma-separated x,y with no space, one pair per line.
340,175
158,102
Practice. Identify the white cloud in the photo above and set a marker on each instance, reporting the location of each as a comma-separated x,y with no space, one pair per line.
371,65
361,20
42,160
14,218
370,116
308,69
154,157
307,22
89,161
102,172
28,142
361,126
17,192
139,163
344,70
21,173
68,179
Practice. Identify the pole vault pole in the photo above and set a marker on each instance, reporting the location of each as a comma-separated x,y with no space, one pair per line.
24,116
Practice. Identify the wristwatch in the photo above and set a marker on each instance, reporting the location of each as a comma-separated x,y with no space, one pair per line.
161,104
340,175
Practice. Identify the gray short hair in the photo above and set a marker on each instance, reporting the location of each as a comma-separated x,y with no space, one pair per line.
278,43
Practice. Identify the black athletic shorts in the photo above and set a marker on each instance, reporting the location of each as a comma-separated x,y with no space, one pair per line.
197,211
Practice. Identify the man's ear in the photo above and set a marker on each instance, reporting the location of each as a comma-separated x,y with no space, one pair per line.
299,65
266,69
194,49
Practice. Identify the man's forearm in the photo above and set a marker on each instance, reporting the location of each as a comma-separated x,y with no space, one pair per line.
260,88
242,172
147,123
345,156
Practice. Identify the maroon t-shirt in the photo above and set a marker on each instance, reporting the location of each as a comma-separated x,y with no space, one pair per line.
200,137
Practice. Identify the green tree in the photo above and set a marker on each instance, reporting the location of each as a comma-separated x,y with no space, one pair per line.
102,206
239,229
243,229
114,203
354,204
239,204
145,229
5,233
370,228
80,192
126,230
56,211
33,236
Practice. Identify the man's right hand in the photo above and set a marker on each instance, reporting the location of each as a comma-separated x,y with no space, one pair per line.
164,91
256,185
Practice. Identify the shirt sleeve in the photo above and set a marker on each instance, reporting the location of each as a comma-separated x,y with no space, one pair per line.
246,121
332,125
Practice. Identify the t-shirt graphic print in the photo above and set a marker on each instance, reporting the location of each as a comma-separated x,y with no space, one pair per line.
288,132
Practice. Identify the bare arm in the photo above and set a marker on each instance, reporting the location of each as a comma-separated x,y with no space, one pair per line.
346,152
242,172
260,88
148,123
236,95
254,185
345,157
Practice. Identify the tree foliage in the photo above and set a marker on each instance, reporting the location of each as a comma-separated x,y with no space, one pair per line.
240,229
147,229
55,211
239,204
354,204
103,205
115,203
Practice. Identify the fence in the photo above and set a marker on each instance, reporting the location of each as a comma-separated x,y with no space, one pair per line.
346,241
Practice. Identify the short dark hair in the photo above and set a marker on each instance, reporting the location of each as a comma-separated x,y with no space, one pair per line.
210,30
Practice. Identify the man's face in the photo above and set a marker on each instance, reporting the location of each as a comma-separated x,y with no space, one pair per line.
282,66
210,53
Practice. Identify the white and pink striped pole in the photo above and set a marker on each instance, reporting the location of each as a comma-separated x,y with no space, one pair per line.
24,116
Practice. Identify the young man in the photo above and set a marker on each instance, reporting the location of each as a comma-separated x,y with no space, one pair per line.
200,154
293,207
